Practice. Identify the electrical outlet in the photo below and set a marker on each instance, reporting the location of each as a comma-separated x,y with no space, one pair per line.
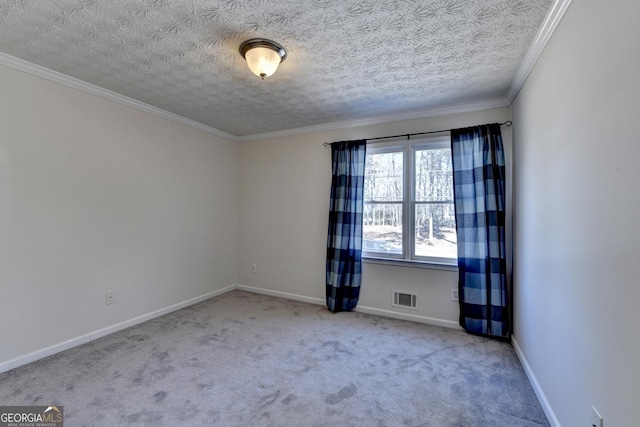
111,297
253,268
454,295
596,419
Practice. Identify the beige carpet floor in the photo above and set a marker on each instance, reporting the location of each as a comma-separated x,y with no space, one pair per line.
244,359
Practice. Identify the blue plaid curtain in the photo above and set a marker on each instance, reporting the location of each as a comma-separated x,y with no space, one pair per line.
344,239
479,182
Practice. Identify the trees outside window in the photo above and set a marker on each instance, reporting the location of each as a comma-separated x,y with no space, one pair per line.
408,202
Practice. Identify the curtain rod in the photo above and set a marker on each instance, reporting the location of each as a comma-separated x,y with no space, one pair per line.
409,135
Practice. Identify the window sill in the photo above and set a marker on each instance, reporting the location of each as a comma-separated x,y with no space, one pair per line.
410,263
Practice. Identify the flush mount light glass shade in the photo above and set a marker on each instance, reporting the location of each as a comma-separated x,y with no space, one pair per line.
262,61
263,56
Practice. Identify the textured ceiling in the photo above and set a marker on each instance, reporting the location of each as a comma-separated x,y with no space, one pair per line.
346,60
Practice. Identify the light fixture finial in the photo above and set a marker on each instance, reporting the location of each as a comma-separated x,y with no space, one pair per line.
263,56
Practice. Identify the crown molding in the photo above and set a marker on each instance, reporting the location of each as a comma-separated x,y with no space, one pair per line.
551,21
72,82
464,108
553,18
56,77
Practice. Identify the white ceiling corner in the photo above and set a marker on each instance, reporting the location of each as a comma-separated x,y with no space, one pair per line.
553,18
432,112
63,79
348,62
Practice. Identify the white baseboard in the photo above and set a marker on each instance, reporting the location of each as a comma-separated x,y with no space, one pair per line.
410,317
285,295
74,342
551,416
361,309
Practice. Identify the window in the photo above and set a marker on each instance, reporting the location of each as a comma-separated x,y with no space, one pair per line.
408,202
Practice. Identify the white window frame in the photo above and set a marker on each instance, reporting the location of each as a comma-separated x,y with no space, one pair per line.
409,148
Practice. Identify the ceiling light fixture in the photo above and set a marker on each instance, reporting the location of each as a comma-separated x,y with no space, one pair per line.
263,56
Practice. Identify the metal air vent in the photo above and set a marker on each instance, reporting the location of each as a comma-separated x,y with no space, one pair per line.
405,299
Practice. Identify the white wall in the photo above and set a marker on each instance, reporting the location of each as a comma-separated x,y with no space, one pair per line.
284,185
577,204
96,196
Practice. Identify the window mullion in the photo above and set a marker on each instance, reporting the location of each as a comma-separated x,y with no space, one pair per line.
408,222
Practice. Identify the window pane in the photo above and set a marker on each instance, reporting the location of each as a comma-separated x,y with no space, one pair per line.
383,177
434,175
436,230
382,228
